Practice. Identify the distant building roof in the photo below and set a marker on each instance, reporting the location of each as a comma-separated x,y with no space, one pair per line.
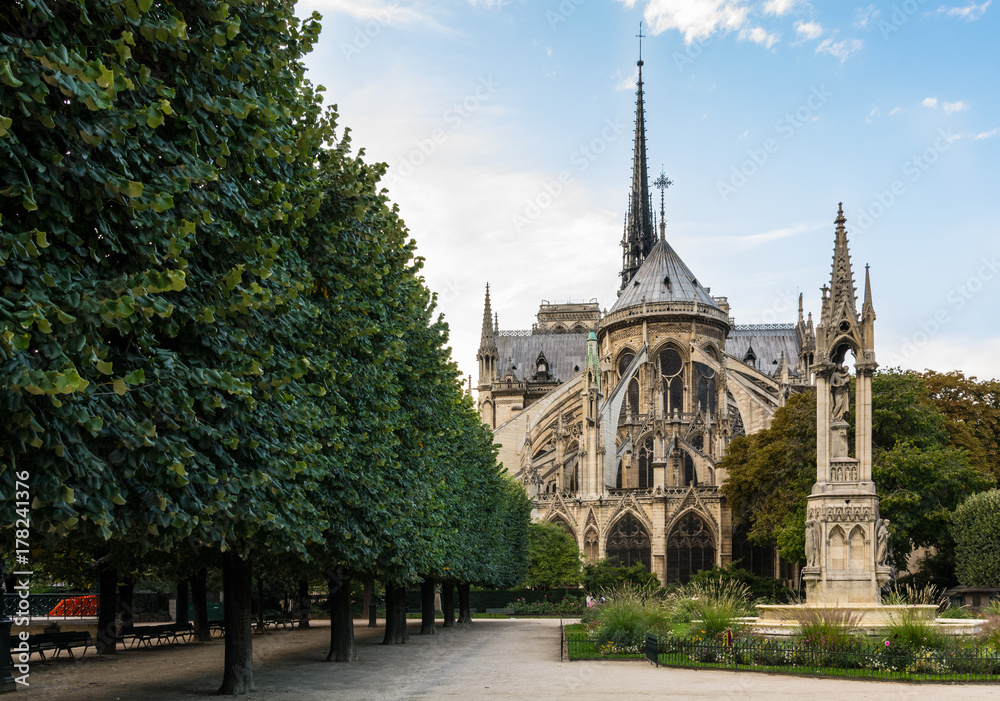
767,341
663,277
565,352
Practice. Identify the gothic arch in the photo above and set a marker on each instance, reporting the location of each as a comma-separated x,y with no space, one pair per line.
591,546
671,370
837,548
561,521
691,546
857,548
628,542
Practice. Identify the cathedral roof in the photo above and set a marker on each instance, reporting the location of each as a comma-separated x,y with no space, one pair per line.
566,353
768,341
663,277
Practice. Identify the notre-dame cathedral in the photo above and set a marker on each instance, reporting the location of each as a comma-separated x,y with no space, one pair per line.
616,421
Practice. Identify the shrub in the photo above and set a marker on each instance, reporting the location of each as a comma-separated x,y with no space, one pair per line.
975,526
553,557
910,630
763,589
716,603
628,613
824,627
605,575
957,612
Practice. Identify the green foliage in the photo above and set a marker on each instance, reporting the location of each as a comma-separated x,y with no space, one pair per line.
603,576
912,631
973,410
553,557
976,529
763,589
770,474
628,613
824,627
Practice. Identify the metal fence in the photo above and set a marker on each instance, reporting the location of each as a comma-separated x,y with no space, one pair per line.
873,660
79,605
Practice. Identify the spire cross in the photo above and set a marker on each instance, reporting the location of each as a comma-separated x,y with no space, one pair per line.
641,36
663,182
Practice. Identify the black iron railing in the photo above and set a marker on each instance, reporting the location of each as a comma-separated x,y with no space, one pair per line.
867,660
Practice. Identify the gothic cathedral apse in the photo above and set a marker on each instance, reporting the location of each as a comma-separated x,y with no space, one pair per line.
616,421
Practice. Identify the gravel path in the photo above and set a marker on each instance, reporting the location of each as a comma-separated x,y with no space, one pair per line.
492,659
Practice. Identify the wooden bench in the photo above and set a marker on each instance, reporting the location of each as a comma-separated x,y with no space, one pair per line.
47,642
167,633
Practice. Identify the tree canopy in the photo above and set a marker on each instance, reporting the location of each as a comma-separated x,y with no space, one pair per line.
553,557
976,529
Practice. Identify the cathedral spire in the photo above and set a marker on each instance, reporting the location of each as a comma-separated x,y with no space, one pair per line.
487,317
488,352
639,234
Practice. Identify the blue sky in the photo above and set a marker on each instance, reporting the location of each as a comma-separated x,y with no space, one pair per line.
508,129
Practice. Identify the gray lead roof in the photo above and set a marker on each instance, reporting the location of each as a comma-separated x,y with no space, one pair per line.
564,351
663,277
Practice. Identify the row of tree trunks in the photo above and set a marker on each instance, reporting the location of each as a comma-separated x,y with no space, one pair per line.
237,583
342,647
199,604
395,615
107,632
427,607
448,603
464,612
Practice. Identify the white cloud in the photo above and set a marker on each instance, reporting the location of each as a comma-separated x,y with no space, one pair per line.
863,16
872,115
840,49
969,13
739,244
759,35
929,102
548,51
626,82
386,12
957,106
895,111
808,30
695,19
986,134
744,135
779,7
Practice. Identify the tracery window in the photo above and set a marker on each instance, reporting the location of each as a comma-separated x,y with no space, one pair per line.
631,403
646,464
690,548
690,473
706,389
618,479
671,373
628,543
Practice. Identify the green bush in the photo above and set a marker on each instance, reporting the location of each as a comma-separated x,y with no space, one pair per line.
605,576
828,627
628,614
553,557
975,525
910,630
766,590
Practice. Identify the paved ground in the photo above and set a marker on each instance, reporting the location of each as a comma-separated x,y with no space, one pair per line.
493,659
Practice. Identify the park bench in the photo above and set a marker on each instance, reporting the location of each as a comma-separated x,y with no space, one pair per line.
167,633
48,642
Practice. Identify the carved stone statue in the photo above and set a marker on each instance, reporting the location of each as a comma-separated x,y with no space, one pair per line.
812,543
881,541
840,384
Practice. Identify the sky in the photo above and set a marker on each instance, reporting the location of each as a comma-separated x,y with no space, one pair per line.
508,126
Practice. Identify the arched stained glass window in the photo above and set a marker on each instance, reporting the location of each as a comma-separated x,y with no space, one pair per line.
628,543
690,474
690,548
646,464
706,389
671,372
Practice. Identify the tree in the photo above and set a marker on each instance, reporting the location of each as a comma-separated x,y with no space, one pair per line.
603,576
973,410
976,529
553,557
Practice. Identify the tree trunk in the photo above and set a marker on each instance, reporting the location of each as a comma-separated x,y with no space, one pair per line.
464,613
304,603
427,607
182,618
237,583
126,606
368,600
199,604
373,605
448,603
107,633
341,621
395,615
